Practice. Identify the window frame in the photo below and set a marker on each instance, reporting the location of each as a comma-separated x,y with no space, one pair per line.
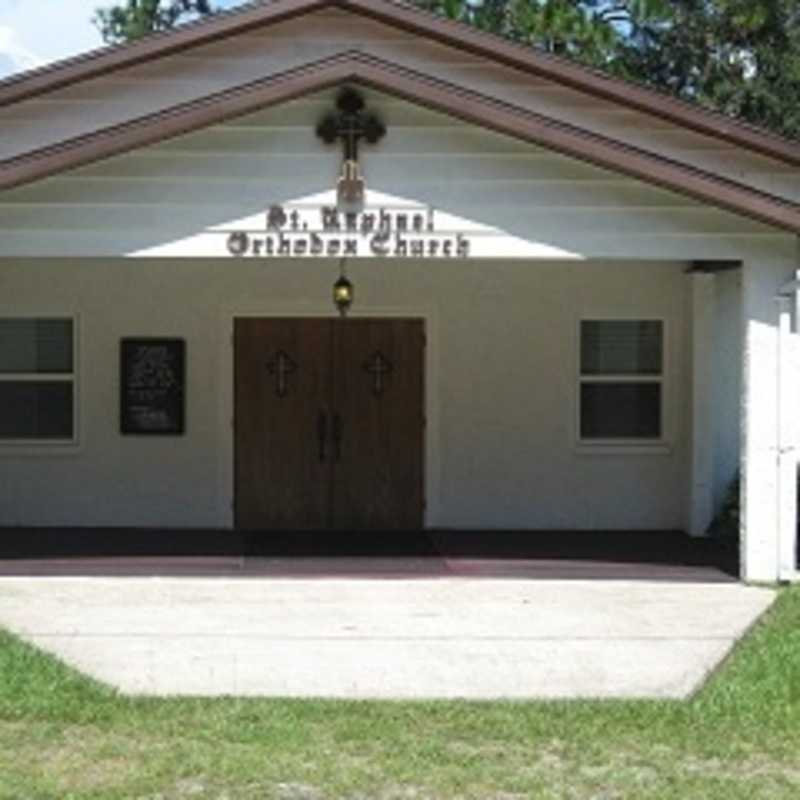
659,444
35,444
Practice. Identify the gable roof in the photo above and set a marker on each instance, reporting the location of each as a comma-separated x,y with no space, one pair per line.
408,18
434,93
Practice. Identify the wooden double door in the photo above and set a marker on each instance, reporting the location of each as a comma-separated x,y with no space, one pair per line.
329,424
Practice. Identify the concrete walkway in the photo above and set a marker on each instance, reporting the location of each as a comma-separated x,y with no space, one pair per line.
439,638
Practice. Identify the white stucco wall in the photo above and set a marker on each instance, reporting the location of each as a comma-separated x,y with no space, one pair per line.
502,389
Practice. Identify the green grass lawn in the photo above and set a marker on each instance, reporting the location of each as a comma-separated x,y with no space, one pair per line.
63,736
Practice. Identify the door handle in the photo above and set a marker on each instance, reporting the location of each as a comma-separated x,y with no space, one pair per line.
322,434
338,431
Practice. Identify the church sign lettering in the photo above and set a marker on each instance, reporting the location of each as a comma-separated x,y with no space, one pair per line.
327,232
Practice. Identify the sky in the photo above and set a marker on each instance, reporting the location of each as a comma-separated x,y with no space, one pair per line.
35,32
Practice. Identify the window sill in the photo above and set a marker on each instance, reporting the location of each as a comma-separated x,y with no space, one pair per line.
623,449
22,448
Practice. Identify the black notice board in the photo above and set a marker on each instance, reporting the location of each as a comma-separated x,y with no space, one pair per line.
152,386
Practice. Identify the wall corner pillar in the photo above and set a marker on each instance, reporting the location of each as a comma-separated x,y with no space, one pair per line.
769,407
788,428
701,494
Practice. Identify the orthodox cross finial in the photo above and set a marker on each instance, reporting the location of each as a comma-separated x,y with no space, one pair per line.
351,123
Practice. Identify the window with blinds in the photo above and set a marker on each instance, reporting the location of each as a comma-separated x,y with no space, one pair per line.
621,380
37,379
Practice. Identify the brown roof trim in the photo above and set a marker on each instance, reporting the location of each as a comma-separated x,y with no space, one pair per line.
413,20
579,143
416,87
579,77
103,60
172,122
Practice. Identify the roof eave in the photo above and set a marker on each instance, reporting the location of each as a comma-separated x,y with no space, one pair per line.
411,19
112,58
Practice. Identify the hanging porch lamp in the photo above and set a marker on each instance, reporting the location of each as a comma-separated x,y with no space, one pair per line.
343,292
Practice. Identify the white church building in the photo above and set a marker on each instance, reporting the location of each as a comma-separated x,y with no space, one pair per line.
566,302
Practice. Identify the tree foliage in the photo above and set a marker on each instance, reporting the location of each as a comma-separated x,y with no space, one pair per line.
741,57
591,31
133,19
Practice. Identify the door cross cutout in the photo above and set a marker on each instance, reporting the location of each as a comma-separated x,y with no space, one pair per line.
379,367
281,367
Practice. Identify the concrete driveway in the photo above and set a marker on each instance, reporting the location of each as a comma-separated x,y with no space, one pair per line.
442,638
